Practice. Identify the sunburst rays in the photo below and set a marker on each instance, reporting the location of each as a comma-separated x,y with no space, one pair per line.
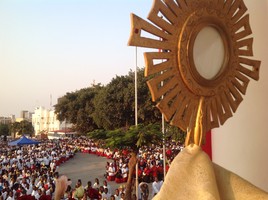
173,25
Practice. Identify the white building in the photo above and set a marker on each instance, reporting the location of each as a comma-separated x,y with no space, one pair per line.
45,120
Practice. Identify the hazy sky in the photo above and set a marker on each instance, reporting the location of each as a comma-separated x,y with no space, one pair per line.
50,47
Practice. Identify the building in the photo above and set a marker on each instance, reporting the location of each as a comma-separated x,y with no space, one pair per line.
26,115
45,120
7,120
57,134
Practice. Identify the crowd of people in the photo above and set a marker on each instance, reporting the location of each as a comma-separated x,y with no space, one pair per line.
30,171
151,160
94,191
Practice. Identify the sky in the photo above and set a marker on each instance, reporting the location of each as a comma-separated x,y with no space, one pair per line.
51,47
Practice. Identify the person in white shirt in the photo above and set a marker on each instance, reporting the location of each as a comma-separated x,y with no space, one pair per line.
10,195
96,183
117,195
124,171
28,189
105,185
106,195
53,165
111,170
38,194
46,161
23,182
34,192
156,185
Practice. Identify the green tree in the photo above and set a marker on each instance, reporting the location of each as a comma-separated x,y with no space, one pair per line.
77,108
99,136
108,107
174,133
114,104
15,127
147,111
22,128
26,128
4,129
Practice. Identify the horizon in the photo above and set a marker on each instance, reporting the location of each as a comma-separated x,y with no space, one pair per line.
52,47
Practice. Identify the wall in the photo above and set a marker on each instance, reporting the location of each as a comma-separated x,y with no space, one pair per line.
240,145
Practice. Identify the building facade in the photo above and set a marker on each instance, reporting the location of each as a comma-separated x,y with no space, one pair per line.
6,120
45,120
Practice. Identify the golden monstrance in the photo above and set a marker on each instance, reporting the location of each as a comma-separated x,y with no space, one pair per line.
195,91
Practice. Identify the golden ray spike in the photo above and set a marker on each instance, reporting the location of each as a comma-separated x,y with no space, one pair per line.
244,24
237,10
151,68
211,112
223,108
172,6
166,105
139,25
182,4
245,47
227,6
188,111
155,82
178,118
160,8
242,84
233,96
255,64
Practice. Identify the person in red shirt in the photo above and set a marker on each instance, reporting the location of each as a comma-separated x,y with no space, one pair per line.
91,192
44,196
146,174
24,196
154,169
168,153
160,170
142,163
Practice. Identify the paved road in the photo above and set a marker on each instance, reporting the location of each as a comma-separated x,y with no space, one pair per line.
86,167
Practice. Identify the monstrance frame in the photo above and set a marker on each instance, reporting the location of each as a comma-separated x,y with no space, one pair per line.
187,99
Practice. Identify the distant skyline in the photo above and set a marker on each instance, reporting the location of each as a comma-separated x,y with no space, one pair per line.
51,47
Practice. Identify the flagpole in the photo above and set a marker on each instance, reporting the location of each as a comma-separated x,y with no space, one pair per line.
136,116
163,131
163,125
164,146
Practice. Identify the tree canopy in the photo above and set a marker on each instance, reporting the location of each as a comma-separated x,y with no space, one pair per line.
77,108
108,107
22,128
4,129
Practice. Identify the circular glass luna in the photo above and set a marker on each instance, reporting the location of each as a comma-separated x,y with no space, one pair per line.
209,53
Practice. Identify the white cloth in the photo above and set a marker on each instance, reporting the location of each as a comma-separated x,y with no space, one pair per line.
156,186
111,171
124,171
